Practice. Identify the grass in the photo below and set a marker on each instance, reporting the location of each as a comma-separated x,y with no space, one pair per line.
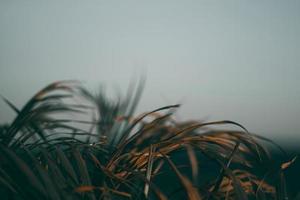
68,143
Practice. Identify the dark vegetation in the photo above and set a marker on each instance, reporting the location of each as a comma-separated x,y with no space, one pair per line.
67,143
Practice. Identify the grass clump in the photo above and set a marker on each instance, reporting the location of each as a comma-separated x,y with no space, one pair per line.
67,143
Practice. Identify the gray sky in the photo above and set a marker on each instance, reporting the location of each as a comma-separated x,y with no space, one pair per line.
236,60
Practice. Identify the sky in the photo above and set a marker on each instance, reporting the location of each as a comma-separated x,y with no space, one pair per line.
236,60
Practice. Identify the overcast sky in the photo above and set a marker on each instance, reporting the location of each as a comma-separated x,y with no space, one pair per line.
237,60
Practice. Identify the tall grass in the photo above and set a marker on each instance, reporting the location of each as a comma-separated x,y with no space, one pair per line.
68,143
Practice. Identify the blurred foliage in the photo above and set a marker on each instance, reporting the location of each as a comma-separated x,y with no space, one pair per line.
68,143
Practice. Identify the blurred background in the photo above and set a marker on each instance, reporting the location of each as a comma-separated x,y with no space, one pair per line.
235,60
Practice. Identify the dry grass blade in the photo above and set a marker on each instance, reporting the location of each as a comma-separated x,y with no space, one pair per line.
199,125
149,170
117,192
127,132
239,191
224,168
125,140
194,162
191,191
287,164
84,188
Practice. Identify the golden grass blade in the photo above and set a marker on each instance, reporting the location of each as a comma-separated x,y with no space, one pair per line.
84,188
238,189
193,161
224,168
126,134
287,164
